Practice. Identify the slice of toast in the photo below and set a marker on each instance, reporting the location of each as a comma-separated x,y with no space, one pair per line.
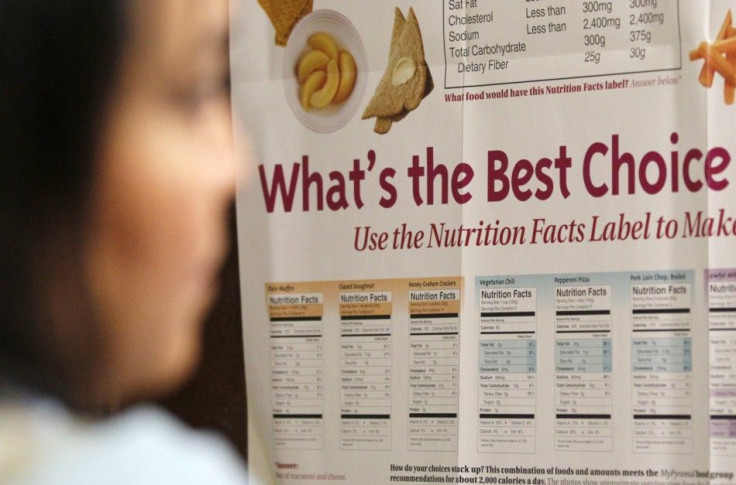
284,14
383,123
283,37
389,99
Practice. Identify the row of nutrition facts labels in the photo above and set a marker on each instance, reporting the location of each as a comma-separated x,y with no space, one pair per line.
565,360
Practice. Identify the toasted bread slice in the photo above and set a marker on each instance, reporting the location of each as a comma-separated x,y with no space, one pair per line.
284,14
391,98
383,123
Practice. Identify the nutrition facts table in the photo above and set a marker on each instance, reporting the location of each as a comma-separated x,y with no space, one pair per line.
366,369
297,363
507,367
434,364
662,363
584,368
722,324
489,42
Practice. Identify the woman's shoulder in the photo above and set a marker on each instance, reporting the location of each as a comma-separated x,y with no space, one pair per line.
41,443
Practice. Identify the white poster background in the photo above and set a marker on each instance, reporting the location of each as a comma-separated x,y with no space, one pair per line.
319,246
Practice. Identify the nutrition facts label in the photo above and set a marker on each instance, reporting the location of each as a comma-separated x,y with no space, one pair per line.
583,367
662,362
297,365
434,364
491,42
722,325
544,376
507,366
366,369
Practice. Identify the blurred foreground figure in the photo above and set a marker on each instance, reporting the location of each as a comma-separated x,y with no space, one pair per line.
116,170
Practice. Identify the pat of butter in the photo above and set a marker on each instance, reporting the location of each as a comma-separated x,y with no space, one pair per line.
403,71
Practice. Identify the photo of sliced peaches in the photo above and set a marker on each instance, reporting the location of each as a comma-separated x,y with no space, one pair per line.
326,73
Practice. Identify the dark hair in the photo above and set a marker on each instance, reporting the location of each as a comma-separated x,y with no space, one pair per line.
57,65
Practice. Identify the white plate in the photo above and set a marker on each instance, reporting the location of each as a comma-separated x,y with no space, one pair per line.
331,118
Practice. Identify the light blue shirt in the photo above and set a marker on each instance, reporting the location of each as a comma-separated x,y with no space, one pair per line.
41,443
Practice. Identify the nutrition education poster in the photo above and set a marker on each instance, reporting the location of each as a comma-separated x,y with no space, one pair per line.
489,241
